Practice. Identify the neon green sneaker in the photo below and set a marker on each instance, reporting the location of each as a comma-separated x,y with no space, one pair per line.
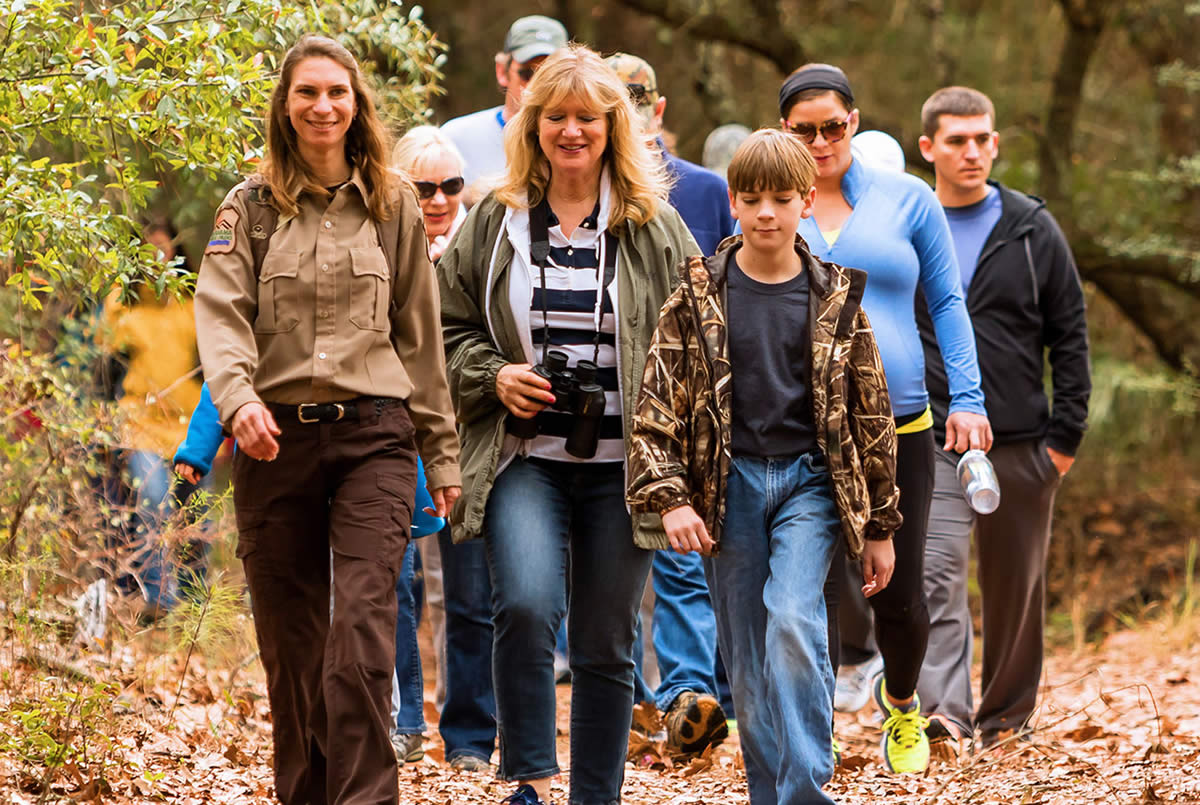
904,743
837,753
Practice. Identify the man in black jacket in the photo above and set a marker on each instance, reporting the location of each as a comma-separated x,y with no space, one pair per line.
1024,298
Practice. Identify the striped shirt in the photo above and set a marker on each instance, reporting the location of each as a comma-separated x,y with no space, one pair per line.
574,271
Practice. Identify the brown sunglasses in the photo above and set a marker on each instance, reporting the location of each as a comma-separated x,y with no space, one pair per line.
831,130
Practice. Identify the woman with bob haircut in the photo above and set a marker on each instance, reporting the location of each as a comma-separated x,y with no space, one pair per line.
564,265
460,601
316,308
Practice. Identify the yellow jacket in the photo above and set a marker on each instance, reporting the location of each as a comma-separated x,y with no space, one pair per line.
159,338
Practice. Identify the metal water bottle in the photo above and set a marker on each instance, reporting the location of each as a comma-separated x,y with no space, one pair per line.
978,479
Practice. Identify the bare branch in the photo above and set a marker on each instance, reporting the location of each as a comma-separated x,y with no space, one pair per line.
764,36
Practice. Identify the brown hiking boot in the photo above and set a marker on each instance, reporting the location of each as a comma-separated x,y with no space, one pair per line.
695,722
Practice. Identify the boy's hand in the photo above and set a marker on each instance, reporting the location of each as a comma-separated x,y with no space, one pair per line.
187,472
878,562
687,531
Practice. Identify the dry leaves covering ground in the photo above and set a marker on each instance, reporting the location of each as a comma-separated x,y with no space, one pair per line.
1119,724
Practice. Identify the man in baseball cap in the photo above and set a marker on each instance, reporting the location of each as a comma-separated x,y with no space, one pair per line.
479,136
534,36
684,627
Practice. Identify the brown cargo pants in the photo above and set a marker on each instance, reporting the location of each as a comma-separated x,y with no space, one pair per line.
346,486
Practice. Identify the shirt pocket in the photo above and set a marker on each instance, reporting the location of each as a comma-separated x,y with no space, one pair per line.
370,289
278,293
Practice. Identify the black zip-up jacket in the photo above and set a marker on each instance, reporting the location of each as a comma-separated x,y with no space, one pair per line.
1024,299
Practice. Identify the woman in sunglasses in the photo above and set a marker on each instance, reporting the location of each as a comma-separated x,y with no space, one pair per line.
458,589
436,167
892,226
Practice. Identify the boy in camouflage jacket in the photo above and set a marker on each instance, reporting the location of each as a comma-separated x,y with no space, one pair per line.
772,463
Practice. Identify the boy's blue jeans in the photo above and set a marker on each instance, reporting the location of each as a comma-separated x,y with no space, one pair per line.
781,524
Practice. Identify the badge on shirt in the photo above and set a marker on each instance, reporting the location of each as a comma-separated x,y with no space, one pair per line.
224,236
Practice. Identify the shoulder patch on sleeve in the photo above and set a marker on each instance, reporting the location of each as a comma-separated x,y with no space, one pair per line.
224,234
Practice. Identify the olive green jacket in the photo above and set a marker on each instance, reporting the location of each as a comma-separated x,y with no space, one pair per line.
481,335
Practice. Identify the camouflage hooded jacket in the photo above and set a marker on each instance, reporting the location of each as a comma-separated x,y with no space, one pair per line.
680,450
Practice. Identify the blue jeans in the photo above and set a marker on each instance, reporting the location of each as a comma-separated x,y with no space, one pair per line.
781,524
408,690
546,521
684,628
468,719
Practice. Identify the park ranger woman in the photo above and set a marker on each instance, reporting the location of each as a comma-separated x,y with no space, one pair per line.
317,312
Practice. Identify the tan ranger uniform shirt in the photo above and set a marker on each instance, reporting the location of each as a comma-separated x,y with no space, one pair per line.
324,322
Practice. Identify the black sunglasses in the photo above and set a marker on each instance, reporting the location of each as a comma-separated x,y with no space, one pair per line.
831,130
526,73
451,187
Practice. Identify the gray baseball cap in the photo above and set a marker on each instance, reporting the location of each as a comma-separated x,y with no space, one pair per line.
534,36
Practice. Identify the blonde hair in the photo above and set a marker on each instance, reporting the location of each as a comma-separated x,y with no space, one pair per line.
423,144
771,160
367,140
639,176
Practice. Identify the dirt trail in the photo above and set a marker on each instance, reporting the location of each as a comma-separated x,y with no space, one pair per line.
1118,724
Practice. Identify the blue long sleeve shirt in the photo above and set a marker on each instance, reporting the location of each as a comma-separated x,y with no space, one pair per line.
898,234
204,435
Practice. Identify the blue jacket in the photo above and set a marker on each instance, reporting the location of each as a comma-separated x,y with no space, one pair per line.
701,198
898,234
204,437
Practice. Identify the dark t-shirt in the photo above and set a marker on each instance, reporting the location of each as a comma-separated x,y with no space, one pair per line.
770,353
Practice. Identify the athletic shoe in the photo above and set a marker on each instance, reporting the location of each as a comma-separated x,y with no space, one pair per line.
904,743
409,747
837,753
695,722
469,763
854,682
525,795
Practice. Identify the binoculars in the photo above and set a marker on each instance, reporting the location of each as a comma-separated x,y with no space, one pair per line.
577,393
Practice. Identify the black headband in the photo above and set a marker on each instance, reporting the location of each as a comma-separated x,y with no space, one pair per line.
817,77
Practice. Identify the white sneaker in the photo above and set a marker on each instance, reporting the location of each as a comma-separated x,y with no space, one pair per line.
853,689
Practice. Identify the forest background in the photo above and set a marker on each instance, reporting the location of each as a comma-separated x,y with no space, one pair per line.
111,111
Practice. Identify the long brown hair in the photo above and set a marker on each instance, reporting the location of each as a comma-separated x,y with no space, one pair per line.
367,141
639,177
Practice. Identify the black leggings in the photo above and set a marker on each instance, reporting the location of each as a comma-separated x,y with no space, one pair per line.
901,614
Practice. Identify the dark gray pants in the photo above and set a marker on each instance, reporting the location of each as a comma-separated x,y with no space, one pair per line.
1011,544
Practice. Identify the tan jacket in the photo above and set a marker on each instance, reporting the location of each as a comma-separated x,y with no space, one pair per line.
325,321
680,449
